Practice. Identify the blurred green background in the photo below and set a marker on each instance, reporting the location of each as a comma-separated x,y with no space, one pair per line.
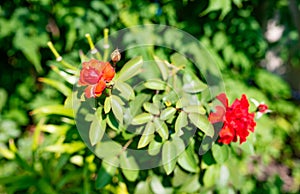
255,43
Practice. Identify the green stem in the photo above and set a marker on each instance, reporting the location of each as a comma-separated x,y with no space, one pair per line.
94,50
106,45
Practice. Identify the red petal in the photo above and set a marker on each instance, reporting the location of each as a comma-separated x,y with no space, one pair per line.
89,91
223,99
108,72
99,88
217,116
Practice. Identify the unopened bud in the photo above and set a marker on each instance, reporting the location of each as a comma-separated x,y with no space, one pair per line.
115,56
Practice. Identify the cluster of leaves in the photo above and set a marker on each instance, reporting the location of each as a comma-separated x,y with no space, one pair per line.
231,30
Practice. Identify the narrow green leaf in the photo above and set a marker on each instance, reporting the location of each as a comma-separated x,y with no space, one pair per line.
130,69
202,123
161,128
125,89
194,109
105,174
117,108
147,136
129,166
151,108
155,84
181,122
53,109
168,157
107,104
164,70
61,87
167,113
142,119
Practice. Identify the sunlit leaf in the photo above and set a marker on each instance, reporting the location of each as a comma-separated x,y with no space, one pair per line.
192,84
179,60
57,85
161,128
155,84
202,123
167,113
181,121
194,109
117,108
143,187
164,70
147,136
154,147
53,109
142,119
107,104
125,89
151,108
187,160
168,157
97,130
130,69
129,166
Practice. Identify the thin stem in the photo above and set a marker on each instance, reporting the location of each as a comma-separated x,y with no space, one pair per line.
106,45
59,58
94,50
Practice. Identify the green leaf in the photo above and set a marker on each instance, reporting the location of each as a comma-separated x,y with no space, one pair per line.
223,5
155,84
117,108
136,104
143,187
161,128
187,160
108,149
3,98
142,119
105,174
61,87
129,166
210,176
168,157
164,70
167,113
147,136
181,122
125,89
107,104
53,109
220,153
192,84
202,123
97,130
194,109
179,60
154,147
190,185
151,108
66,147
130,69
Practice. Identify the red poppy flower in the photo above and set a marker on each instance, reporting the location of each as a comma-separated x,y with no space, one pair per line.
237,121
95,74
